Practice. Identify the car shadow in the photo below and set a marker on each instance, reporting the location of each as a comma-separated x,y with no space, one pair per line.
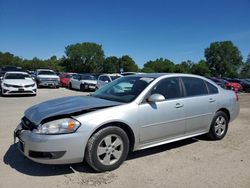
18,95
17,161
14,158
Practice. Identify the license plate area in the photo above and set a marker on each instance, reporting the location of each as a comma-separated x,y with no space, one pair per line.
20,89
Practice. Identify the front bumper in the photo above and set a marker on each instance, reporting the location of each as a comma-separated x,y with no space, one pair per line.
48,83
51,149
18,91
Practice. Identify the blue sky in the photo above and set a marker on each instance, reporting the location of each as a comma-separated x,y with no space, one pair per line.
145,30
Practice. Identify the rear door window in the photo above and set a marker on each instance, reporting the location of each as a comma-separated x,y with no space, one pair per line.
211,88
194,86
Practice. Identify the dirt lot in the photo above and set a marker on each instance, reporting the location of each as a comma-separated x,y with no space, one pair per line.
193,162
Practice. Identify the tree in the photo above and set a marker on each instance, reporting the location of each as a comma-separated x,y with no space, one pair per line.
248,59
201,68
128,64
184,67
223,58
245,71
111,65
159,65
84,57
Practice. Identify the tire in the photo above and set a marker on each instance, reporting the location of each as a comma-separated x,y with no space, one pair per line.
110,155
82,87
70,86
219,126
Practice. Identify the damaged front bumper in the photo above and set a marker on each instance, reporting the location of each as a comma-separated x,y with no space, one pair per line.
51,149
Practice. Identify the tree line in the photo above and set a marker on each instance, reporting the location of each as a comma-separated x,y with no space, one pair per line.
222,59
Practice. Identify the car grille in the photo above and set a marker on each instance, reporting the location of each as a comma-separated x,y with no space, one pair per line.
21,92
16,86
27,124
49,79
92,84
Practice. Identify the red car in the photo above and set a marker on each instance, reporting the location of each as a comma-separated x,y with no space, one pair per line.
234,86
64,79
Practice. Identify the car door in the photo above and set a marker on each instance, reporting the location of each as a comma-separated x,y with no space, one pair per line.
200,105
166,119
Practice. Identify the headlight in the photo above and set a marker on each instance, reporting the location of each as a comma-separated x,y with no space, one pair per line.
7,85
60,126
32,85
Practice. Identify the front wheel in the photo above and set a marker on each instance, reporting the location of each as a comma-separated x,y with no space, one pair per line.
219,126
82,87
70,86
107,149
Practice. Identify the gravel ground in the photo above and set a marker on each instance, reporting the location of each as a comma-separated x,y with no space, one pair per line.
193,162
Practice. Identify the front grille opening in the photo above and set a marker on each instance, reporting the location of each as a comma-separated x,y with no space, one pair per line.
46,155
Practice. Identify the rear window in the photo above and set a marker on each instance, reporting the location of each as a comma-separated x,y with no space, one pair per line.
211,88
194,86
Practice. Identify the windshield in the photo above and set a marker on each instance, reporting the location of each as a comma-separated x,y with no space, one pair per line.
88,77
124,89
46,73
114,77
16,76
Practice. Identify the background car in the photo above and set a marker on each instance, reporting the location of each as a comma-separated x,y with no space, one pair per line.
83,82
47,78
19,83
65,78
106,78
227,84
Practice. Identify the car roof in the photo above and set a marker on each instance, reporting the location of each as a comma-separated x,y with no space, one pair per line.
111,74
44,70
16,72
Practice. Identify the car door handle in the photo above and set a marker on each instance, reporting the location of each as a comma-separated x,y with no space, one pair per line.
178,105
211,100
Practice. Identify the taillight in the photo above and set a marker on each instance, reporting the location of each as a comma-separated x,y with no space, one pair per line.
236,96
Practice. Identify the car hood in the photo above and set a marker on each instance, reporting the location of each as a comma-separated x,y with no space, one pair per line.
19,82
65,106
90,81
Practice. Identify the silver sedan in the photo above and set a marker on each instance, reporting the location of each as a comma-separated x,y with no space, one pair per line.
128,114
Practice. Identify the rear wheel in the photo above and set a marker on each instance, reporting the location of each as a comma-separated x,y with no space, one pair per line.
107,149
219,126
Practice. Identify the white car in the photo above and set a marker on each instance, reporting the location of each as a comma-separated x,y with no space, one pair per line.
83,82
106,78
18,83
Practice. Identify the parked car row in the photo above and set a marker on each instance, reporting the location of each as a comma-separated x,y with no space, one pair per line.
233,83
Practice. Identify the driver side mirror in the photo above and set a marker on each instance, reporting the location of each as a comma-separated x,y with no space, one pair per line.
156,98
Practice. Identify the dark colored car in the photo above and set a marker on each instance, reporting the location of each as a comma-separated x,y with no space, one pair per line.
9,68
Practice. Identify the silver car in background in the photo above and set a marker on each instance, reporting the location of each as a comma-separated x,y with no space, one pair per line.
131,113
47,78
104,79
